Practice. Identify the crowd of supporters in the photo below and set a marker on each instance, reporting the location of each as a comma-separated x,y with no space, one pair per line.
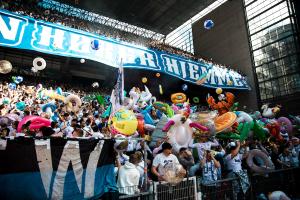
210,159
32,9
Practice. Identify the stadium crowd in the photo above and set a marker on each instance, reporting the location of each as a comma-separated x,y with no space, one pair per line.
33,9
210,159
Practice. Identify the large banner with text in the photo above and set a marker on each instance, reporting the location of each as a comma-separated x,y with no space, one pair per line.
22,32
56,168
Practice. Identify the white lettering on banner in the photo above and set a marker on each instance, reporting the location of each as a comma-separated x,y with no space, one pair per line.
210,78
194,74
79,43
148,60
46,36
71,153
183,68
222,76
91,170
171,65
9,29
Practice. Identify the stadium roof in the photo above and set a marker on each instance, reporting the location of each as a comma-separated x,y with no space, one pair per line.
161,16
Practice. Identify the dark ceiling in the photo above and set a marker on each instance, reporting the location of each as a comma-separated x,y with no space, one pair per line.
161,16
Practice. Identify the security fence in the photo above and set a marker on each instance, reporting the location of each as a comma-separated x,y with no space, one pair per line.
193,188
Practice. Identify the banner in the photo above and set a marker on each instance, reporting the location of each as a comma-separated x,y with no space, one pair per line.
26,33
56,168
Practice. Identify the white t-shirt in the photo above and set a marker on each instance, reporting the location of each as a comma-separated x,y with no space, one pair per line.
165,162
234,164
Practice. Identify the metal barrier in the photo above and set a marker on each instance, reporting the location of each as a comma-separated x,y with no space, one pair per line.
184,190
192,188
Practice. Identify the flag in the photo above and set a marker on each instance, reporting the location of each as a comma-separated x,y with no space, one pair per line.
117,95
56,168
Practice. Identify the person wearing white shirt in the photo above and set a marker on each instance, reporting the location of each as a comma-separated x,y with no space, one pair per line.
163,161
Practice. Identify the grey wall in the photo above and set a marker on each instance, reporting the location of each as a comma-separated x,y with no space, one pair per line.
227,43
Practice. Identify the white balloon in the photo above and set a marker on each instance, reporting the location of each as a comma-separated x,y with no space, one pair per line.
82,60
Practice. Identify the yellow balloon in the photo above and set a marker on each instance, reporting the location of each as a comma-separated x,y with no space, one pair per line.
219,90
144,80
157,75
230,83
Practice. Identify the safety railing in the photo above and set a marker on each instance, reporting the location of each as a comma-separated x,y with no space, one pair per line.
287,180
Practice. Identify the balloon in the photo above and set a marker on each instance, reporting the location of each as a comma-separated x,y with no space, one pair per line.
5,67
157,75
219,90
184,87
39,63
144,80
82,60
225,121
12,86
230,82
123,122
95,85
49,106
20,105
39,86
208,24
95,44
59,91
160,89
36,122
196,100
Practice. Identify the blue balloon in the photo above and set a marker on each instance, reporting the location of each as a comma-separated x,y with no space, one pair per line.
208,24
12,86
59,91
184,87
95,44
49,105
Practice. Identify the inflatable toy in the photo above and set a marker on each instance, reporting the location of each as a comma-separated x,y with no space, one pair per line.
285,125
59,91
13,117
39,63
178,98
17,79
144,80
196,100
201,79
53,95
174,173
224,121
82,60
274,129
73,103
160,89
269,112
157,75
20,106
206,118
95,44
49,108
36,122
123,122
208,24
12,86
243,117
267,166
5,67
184,87
229,82
164,107
223,105
180,130
39,87
34,70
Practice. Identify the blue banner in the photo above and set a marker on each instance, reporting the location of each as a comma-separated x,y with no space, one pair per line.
26,33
